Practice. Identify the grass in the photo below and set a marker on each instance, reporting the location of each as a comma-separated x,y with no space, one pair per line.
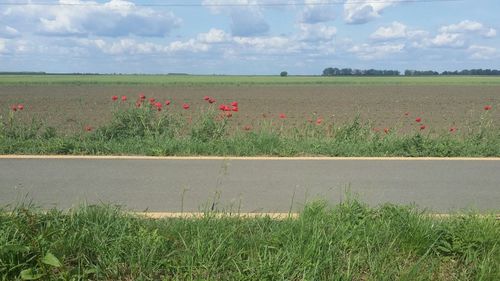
349,241
146,131
193,80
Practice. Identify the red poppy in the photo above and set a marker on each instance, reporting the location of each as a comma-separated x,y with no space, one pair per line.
138,104
158,106
488,107
13,107
20,106
318,121
185,106
142,96
422,127
88,128
282,116
124,98
114,98
167,102
452,129
207,98
235,109
418,120
222,106
152,100
386,130
211,100
234,103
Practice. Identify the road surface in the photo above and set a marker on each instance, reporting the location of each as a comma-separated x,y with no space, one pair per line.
249,185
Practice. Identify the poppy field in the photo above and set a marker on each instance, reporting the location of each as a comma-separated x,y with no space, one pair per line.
282,120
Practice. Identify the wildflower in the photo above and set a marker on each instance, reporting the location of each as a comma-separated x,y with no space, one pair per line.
20,106
282,116
87,128
138,104
453,129
235,109
13,107
234,104
212,100
185,106
488,107
386,130
167,102
418,120
114,98
152,101
142,97
422,127
207,98
318,121
247,127
158,106
124,98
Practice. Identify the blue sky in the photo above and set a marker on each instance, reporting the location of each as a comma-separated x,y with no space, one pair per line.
251,37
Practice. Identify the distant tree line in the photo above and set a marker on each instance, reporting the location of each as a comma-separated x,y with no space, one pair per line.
330,71
358,72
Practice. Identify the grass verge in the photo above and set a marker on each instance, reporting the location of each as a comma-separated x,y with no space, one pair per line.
347,242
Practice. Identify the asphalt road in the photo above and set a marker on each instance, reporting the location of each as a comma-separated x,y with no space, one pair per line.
250,185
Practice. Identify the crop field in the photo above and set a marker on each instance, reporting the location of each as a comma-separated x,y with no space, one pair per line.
442,105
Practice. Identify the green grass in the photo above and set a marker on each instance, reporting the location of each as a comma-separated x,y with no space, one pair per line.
145,131
172,80
347,242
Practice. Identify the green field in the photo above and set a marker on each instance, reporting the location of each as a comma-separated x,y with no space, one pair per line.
240,80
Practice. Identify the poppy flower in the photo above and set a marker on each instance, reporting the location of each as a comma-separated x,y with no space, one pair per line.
282,116
138,104
13,107
207,98
152,100
185,106
386,130
488,107
142,96
124,98
418,120
211,100
452,129
114,98
88,128
318,121
235,109
20,106
221,107
422,127
158,106
167,102
234,104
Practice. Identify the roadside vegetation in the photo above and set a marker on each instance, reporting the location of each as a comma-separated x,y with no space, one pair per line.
146,126
349,241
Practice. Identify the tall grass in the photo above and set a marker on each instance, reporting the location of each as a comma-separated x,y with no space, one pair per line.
145,130
347,242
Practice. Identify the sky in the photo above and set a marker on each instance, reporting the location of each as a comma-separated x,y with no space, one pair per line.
248,37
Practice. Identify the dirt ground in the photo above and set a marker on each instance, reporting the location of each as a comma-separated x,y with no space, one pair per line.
70,107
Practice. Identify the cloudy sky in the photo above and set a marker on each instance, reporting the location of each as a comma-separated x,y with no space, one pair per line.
247,36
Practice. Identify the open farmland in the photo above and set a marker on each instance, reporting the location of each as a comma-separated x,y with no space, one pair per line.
68,102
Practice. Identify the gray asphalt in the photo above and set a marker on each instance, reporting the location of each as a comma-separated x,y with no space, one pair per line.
249,185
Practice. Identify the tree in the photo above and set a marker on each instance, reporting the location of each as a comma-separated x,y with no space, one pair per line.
284,74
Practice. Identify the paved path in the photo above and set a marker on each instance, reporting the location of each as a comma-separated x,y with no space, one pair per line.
250,185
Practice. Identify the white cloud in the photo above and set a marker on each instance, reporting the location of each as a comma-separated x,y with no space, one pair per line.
9,32
482,52
114,18
214,36
363,11
371,52
315,12
246,20
468,26
450,40
396,30
316,32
